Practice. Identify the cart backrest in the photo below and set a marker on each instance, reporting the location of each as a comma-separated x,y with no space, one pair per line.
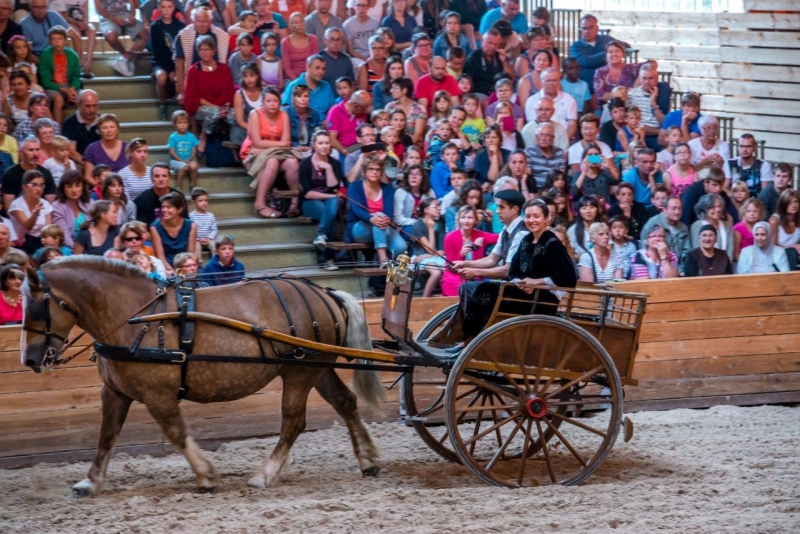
396,309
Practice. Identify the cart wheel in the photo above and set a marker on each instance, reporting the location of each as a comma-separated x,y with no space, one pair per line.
438,321
533,373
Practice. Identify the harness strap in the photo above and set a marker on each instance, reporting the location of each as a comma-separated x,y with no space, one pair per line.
314,324
337,328
185,297
297,352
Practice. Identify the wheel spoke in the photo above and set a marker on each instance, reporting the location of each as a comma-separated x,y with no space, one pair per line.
478,423
491,387
505,375
472,402
583,378
438,405
491,428
564,440
578,424
521,363
524,458
583,399
501,451
494,418
545,450
561,363
485,407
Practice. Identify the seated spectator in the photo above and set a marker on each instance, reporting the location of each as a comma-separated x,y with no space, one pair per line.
52,237
9,149
109,150
269,64
44,130
566,110
297,46
456,58
320,92
739,193
113,190
354,162
645,97
451,36
469,194
209,91
59,162
518,169
542,158
402,91
677,233
711,184
644,176
148,205
48,254
622,244
632,132
244,55
489,161
589,127
746,167
539,38
12,181
532,82
186,264
359,28
611,129
163,32
655,260
543,113
8,25
38,108
245,100
762,256
588,214
615,72
685,118
601,264
381,94
186,51
410,193
486,62
343,120
321,177
597,174
60,72
36,26
16,103
136,176
132,240
223,268
769,195
785,225
98,234
402,24
681,175
575,87
751,212
303,119
429,85
633,210
30,212
174,232
708,150
81,127
319,21
710,209
221,16
372,70
464,244
119,18
590,49
7,237
337,63
706,259
427,244
72,206
11,278
666,158
419,63
658,199
269,19
561,210
370,212
504,91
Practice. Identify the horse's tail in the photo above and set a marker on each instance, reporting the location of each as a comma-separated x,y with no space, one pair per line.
366,383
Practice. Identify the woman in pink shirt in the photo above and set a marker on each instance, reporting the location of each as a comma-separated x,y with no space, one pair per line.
297,47
464,243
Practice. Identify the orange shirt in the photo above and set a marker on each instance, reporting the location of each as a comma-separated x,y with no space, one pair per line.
291,6
60,69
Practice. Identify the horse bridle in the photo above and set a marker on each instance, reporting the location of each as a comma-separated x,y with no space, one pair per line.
40,311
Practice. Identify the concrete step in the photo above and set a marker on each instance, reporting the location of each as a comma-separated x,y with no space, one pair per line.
232,204
102,65
136,109
254,230
119,87
222,180
155,132
276,255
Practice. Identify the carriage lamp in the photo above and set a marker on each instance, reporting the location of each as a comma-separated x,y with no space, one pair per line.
397,275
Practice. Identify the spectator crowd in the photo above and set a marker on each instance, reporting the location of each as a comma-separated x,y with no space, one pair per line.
402,125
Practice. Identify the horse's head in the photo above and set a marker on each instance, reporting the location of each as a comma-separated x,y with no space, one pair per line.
47,321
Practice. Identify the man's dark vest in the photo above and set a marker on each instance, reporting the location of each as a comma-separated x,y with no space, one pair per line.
751,176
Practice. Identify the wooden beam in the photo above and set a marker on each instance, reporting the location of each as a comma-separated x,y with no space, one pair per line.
735,287
729,71
771,5
716,86
751,399
712,328
729,346
753,364
741,38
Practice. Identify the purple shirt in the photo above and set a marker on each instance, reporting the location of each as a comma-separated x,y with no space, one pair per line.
95,155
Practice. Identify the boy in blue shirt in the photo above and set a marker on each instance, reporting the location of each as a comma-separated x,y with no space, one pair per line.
574,86
440,174
223,268
182,146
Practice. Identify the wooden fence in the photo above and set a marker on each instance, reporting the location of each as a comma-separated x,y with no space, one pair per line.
703,343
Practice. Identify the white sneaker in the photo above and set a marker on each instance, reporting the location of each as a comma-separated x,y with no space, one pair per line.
330,265
131,67
320,242
121,66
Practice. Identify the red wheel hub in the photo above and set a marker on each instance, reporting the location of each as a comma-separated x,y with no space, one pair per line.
536,407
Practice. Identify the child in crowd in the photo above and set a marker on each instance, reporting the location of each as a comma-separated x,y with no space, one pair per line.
269,64
620,92
440,173
429,232
665,158
739,193
344,88
440,137
136,176
380,120
621,243
248,21
465,84
60,161
182,146
223,268
52,236
30,70
19,53
9,149
162,34
205,220
60,72
99,173
243,55
397,120
609,131
504,116
457,179
474,125
186,264
145,263
456,57
504,92
442,104
413,156
658,199
575,87
76,13
632,131
48,254
394,158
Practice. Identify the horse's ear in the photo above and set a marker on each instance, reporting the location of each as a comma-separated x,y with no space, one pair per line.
33,278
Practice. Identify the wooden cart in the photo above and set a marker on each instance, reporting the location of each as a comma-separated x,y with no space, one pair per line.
533,399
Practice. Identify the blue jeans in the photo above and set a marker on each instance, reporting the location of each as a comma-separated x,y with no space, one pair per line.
388,238
324,211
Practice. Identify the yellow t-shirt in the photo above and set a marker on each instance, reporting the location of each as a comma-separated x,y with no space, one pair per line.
10,146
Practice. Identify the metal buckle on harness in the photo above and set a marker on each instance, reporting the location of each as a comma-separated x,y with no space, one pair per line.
182,358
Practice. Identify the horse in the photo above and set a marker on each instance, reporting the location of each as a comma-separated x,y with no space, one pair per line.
95,294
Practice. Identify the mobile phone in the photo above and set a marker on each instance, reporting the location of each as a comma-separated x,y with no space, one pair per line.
594,158
374,147
508,124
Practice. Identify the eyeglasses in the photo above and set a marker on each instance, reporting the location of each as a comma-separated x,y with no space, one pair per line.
35,185
424,45
373,169
130,239
746,146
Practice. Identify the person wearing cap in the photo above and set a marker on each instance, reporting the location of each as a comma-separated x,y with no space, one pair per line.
707,260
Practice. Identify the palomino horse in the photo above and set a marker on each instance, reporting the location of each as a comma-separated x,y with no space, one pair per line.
97,294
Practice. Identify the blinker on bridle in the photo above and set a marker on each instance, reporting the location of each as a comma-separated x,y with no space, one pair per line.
40,311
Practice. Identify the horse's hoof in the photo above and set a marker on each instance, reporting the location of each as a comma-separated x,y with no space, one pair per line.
205,490
371,471
83,489
257,481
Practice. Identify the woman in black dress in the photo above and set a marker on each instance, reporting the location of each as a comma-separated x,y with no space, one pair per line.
540,260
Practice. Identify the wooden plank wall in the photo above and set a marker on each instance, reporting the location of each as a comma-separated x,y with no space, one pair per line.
735,342
745,65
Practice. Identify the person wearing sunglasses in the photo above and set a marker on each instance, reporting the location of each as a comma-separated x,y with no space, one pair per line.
11,277
132,241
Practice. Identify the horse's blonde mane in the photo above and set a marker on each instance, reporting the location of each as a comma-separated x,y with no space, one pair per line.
101,264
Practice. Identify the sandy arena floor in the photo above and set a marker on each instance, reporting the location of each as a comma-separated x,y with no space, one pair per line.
726,469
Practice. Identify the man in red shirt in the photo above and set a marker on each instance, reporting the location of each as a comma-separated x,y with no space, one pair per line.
436,80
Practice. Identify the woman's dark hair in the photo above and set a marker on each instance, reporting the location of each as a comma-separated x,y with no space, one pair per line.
552,176
72,177
555,192
424,204
404,84
586,200
539,203
783,204
35,98
495,129
548,53
269,35
30,176
387,83
99,208
47,254
6,271
176,200
463,194
113,178
19,74
269,90
590,146
252,68
424,184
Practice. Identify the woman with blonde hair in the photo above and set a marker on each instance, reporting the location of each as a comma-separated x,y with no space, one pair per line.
601,263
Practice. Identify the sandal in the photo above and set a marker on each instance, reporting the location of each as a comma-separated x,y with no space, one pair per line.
293,212
268,213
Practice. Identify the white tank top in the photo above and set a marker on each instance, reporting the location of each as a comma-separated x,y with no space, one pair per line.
785,239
